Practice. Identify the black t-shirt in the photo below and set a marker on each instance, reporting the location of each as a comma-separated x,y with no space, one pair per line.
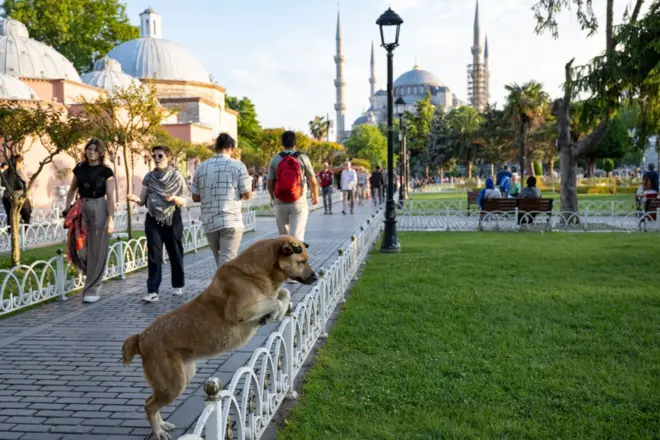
91,179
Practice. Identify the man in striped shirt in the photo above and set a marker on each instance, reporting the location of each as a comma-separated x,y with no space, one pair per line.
221,184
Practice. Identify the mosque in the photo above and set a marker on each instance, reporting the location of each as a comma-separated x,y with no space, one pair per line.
32,72
414,85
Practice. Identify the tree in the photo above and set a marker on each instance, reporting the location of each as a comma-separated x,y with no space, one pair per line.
128,118
418,126
496,137
367,142
464,125
527,107
626,68
81,30
440,151
248,127
57,130
320,152
319,127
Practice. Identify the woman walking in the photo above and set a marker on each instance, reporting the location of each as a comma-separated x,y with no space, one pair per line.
93,181
163,191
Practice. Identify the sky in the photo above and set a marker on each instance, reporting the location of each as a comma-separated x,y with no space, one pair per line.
280,53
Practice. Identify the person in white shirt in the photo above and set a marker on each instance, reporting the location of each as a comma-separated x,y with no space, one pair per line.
221,184
348,185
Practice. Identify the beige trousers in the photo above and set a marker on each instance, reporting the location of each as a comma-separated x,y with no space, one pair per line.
291,219
94,255
224,244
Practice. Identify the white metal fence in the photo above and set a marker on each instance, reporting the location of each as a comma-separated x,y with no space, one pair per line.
25,285
245,407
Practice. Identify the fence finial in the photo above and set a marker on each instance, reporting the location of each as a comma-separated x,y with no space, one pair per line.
212,388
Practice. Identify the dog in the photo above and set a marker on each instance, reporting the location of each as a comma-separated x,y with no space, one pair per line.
244,294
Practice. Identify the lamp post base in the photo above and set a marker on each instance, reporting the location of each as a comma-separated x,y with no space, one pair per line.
390,243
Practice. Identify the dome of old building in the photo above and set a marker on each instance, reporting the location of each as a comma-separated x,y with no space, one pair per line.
107,74
21,56
150,56
14,89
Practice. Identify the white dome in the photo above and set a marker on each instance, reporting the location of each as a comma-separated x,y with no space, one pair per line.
14,88
21,56
108,75
417,77
149,57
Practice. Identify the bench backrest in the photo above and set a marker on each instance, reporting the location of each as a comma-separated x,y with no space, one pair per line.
652,205
472,196
504,205
535,205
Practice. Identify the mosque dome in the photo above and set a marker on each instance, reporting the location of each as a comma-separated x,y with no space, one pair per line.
21,56
150,56
417,77
107,74
14,88
368,118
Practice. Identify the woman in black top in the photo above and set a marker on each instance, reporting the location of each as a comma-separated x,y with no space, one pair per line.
93,181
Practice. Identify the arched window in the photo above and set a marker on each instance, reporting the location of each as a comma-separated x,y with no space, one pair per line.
118,160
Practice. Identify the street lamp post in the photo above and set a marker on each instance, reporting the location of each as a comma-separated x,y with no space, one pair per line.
390,24
403,158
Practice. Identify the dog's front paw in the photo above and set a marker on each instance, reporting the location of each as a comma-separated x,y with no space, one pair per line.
160,435
167,426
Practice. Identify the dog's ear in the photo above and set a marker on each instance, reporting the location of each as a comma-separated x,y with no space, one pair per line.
306,245
287,249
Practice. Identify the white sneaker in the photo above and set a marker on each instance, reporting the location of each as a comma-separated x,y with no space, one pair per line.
151,298
91,298
177,291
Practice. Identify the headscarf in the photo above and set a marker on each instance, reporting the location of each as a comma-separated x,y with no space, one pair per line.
489,185
161,184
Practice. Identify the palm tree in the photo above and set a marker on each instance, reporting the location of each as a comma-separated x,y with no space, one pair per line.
527,107
319,127
464,126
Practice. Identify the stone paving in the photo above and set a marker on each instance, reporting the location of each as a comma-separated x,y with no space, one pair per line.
61,375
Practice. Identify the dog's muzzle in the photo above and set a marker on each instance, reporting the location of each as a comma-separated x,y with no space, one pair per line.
308,280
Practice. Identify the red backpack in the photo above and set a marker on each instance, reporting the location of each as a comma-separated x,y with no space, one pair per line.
288,178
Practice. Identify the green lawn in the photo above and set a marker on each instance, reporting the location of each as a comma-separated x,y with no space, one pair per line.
515,336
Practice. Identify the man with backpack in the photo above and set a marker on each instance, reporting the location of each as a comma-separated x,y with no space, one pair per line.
288,175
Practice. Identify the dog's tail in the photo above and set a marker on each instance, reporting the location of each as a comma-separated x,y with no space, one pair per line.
130,348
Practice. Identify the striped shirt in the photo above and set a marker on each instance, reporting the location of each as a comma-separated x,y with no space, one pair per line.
220,181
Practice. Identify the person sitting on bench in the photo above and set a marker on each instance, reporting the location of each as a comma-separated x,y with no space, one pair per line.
530,191
489,192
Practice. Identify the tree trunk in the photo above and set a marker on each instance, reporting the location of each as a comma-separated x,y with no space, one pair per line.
129,190
114,170
492,169
14,218
568,184
523,148
469,169
442,174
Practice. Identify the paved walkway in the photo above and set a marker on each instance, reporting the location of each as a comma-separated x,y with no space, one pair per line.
61,375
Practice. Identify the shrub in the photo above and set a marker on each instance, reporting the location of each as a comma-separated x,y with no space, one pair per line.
538,169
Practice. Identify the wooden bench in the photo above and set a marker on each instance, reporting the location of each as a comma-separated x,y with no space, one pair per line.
651,209
472,199
533,207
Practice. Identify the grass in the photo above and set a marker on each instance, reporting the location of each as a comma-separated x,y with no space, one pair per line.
516,336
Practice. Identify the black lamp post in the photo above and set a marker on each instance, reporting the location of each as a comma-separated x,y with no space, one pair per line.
400,104
389,24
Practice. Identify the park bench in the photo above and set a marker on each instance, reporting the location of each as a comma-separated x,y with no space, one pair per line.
651,209
472,199
533,206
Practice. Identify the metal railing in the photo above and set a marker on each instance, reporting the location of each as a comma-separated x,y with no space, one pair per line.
26,285
245,407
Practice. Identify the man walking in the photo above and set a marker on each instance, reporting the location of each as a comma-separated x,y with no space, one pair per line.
221,184
288,175
325,179
377,182
348,185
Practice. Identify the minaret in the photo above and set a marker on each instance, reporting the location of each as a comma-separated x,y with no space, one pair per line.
486,74
477,70
372,80
340,107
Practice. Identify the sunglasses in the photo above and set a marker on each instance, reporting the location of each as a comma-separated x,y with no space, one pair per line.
158,156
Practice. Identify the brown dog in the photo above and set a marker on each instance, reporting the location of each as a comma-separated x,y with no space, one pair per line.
244,294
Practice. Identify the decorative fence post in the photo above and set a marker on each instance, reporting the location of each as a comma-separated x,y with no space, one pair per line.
214,425
121,260
193,232
60,275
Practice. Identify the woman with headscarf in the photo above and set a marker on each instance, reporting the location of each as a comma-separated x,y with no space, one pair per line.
94,183
489,192
163,191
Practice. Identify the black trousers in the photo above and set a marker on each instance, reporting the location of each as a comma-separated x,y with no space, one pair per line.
158,235
25,212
